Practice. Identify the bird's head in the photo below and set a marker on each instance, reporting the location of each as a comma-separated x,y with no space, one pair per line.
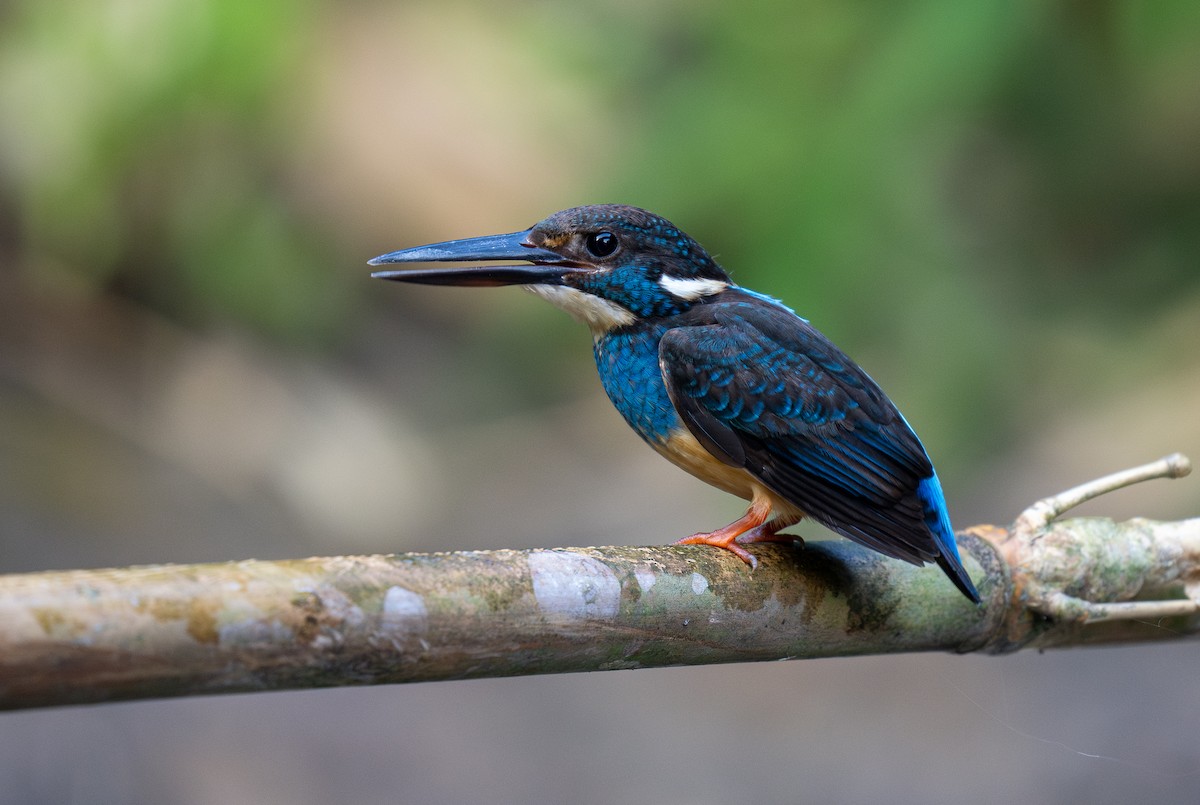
608,265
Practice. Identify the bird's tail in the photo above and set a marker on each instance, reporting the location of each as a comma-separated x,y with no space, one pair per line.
937,518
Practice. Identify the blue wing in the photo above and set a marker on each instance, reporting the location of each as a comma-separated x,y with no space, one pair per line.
762,389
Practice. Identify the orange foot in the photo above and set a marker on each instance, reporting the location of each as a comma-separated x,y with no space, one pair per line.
750,527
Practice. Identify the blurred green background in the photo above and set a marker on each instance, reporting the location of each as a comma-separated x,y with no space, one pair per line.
994,206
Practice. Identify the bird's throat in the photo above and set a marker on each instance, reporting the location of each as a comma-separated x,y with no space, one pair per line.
600,315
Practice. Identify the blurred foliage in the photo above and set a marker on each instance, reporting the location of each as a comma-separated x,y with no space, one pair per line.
969,191
142,145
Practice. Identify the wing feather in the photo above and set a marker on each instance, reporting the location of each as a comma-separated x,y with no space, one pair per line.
762,389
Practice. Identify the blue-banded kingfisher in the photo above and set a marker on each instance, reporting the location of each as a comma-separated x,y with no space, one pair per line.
728,384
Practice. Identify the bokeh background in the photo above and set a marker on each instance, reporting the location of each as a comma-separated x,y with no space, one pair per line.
994,206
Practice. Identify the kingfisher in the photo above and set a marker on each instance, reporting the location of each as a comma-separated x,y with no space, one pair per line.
728,384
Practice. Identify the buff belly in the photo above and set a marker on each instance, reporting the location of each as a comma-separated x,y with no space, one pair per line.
683,450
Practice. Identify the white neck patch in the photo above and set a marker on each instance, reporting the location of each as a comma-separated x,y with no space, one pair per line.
600,315
691,289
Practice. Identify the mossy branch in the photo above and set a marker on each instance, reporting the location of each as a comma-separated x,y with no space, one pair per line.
146,632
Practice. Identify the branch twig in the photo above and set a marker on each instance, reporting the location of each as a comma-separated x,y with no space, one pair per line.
1046,510
1066,578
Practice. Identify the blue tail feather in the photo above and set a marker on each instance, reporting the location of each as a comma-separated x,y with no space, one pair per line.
937,518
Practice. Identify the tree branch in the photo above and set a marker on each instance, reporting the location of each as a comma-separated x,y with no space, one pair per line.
147,632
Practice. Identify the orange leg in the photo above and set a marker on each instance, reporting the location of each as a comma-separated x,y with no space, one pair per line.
769,532
750,527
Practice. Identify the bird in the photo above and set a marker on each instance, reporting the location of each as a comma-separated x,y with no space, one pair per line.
729,384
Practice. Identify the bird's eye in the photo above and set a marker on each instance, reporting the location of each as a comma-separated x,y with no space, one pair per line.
601,244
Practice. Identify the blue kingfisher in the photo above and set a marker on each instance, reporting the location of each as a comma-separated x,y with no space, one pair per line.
728,384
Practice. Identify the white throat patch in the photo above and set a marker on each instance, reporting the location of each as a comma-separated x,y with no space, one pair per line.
691,289
600,315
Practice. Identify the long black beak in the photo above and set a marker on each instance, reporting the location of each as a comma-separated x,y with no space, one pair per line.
549,268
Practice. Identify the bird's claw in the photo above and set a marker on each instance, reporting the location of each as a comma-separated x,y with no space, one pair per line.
744,531
723,541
